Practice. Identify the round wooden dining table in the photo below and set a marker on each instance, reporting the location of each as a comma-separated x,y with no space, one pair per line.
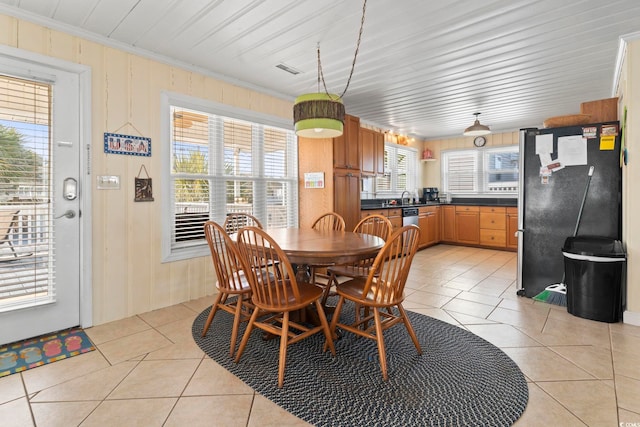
323,248
307,247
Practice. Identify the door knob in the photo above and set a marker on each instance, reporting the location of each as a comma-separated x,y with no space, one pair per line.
68,214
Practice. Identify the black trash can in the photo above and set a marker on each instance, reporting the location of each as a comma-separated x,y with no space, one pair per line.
594,270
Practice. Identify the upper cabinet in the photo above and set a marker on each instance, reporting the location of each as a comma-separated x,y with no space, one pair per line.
371,152
346,148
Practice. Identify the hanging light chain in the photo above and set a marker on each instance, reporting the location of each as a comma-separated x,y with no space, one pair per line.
353,64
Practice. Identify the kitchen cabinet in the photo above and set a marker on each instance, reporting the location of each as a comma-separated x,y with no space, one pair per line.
393,214
371,152
493,227
379,153
338,159
468,225
429,223
346,193
448,223
512,228
346,147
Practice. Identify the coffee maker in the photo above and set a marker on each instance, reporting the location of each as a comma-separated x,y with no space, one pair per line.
430,194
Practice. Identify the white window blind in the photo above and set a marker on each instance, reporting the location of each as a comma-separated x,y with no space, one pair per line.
461,172
25,220
222,165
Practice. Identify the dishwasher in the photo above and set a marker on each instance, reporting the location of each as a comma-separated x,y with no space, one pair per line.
409,216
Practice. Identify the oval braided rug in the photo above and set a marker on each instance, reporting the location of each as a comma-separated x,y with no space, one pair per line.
460,379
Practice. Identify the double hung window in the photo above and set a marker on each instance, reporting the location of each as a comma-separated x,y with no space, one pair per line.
223,161
400,167
485,171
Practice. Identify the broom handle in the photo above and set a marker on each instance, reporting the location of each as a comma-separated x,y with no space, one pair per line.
584,198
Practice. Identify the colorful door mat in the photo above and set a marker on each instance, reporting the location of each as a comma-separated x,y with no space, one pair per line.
34,352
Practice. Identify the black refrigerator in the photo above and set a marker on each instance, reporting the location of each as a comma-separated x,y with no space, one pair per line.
554,168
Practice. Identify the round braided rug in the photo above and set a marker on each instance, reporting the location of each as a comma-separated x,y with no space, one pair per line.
459,380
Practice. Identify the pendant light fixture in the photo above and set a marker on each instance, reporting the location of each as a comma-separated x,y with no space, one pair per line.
321,114
477,129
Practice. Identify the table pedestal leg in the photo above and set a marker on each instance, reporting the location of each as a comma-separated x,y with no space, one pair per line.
302,273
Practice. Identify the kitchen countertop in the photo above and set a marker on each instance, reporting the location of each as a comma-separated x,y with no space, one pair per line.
509,203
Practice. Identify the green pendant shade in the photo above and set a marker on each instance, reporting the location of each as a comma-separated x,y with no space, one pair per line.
318,115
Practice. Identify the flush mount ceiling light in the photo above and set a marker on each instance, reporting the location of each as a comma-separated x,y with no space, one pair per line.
321,114
476,129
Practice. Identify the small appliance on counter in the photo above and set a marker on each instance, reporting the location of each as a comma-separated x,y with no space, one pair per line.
430,194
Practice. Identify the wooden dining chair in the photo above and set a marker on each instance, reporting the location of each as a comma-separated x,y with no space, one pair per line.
8,222
329,221
376,296
235,221
375,225
276,296
232,281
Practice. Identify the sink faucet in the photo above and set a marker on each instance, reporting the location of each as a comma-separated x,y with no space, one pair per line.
402,197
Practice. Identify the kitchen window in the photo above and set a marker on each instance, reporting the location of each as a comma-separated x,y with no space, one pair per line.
223,160
400,169
481,171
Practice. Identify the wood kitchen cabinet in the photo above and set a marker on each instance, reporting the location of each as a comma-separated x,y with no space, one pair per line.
493,226
393,214
339,159
512,228
346,193
429,223
346,147
468,225
490,226
379,153
371,152
448,223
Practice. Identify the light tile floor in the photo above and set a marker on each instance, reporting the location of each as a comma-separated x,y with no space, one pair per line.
147,370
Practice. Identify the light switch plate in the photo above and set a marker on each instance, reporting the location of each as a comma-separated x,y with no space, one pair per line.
108,182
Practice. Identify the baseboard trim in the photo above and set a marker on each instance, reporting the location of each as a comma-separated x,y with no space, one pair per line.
631,318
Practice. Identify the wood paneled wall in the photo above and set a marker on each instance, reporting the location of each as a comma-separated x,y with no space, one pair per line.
318,157
128,276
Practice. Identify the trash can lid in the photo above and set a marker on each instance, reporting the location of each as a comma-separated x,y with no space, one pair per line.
594,246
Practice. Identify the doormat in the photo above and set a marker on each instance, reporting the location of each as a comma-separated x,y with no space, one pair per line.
34,352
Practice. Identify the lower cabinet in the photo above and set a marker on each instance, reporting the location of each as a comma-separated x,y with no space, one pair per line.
394,215
448,229
468,225
493,226
485,226
429,223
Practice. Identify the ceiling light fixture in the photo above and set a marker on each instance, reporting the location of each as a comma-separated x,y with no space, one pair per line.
321,114
477,129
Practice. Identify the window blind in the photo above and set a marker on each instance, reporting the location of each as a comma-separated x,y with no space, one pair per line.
224,165
461,172
25,221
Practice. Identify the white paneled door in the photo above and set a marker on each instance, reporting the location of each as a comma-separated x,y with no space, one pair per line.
40,199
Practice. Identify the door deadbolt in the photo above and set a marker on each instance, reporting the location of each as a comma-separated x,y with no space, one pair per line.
70,189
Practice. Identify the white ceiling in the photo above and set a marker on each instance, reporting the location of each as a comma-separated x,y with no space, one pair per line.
424,67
